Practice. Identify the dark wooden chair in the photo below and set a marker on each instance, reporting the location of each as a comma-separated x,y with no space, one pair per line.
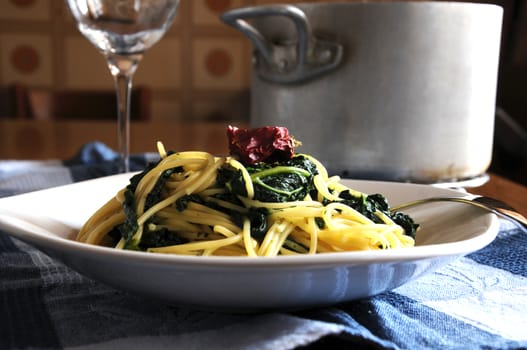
13,101
77,104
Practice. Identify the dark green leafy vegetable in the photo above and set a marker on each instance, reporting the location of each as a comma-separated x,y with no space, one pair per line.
182,203
129,226
258,219
406,222
231,179
286,181
160,238
368,205
155,194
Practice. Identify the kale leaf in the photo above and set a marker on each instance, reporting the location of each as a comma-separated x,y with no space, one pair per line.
367,205
285,181
160,238
182,203
406,222
129,226
154,196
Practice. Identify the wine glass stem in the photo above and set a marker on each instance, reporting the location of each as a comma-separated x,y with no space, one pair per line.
123,68
123,85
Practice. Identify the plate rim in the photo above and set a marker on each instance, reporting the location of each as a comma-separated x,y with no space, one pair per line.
56,242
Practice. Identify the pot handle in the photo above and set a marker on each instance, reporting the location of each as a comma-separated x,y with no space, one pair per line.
279,64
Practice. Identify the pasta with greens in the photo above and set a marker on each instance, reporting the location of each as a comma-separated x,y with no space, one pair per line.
195,203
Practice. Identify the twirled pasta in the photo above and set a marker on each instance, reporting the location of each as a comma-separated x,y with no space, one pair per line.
207,227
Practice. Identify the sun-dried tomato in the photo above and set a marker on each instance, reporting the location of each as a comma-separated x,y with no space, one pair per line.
267,144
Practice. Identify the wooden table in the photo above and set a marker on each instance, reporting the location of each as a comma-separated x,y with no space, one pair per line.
505,190
29,139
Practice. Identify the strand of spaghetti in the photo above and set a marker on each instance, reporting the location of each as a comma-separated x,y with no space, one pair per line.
278,243
391,238
208,210
197,211
222,230
186,159
211,192
249,187
336,186
161,149
111,206
96,234
296,212
313,246
172,161
186,248
210,178
228,205
270,235
175,225
197,217
207,176
397,239
322,188
231,250
384,217
332,208
304,238
277,205
122,242
247,239
235,246
181,191
346,240
306,223
201,236
321,168
285,251
149,180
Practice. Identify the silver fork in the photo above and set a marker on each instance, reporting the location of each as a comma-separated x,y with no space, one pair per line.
490,204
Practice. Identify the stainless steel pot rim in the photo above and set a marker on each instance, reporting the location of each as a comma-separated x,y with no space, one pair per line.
471,182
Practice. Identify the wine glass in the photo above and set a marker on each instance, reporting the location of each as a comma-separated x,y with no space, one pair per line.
123,30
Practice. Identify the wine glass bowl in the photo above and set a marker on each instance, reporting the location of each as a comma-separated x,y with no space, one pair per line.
122,30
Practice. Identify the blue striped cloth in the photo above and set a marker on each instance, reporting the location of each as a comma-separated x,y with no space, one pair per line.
476,302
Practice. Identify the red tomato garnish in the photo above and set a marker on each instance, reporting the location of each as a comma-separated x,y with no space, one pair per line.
267,144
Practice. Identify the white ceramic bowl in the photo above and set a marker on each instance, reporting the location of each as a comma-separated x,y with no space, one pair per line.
48,220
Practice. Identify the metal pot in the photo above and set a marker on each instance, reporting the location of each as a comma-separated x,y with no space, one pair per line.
401,91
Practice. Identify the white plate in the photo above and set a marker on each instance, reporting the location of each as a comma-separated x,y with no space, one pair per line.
48,219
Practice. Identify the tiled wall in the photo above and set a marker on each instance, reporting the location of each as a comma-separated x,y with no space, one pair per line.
199,70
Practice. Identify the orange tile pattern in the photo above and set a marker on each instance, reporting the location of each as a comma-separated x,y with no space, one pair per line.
198,64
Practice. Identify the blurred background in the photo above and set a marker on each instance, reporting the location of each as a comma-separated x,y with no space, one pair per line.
200,71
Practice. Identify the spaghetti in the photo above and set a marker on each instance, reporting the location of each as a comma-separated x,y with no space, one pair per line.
195,203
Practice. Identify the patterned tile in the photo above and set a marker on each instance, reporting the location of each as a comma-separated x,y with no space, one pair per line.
26,58
34,10
218,63
206,12
199,59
